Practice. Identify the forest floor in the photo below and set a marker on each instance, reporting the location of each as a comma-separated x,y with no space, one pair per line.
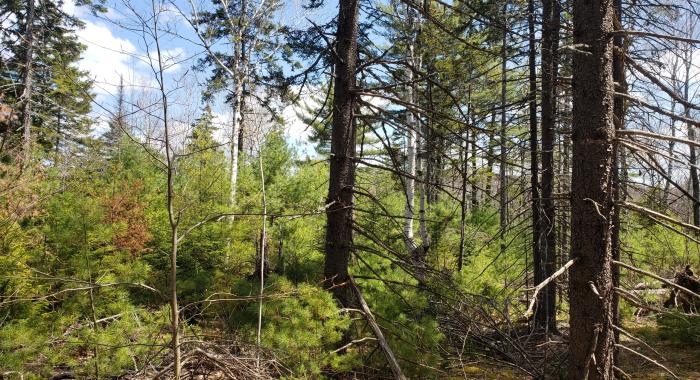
683,359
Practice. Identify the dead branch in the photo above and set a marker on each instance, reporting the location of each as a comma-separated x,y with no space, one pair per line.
652,275
644,210
657,136
648,359
395,368
634,338
591,352
353,342
544,283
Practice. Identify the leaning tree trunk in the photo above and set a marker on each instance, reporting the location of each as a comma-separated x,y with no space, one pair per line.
591,339
342,168
545,316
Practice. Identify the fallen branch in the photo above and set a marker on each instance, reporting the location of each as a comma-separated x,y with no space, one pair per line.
648,359
624,374
644,210
665,281
79,326
353,342
631,298
395,368
634,338
544,283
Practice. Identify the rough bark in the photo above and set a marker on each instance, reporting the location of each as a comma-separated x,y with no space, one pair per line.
545,315
342,169
592,193
619,117
534,159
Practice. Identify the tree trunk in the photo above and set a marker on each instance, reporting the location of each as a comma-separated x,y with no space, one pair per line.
694,180
474,193
619,120
592,194
464,153
426,126
534,164
502,180
545,316
173,219
411,151
490,158
234,152
236,143
263,261
27,82
342,169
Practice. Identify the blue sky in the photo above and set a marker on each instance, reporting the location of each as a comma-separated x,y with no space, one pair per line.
115,50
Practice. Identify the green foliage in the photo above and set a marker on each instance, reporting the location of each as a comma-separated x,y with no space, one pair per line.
303,327
679,327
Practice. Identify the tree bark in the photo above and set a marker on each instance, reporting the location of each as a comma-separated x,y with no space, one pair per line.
490,158
619,117
263,243
592,193
342,168
502,179
534,159
411,143
474,193
464,153
545,315
237,103
28,74
694,178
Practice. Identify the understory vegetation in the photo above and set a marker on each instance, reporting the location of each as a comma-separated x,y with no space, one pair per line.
354,189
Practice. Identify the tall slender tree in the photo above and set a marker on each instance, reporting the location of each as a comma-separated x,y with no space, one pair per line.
546,313
339,239
534,151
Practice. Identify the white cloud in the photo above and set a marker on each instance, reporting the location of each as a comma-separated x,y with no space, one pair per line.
297,130
222,124
107,57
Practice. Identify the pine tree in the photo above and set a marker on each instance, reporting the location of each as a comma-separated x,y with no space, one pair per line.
58,93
